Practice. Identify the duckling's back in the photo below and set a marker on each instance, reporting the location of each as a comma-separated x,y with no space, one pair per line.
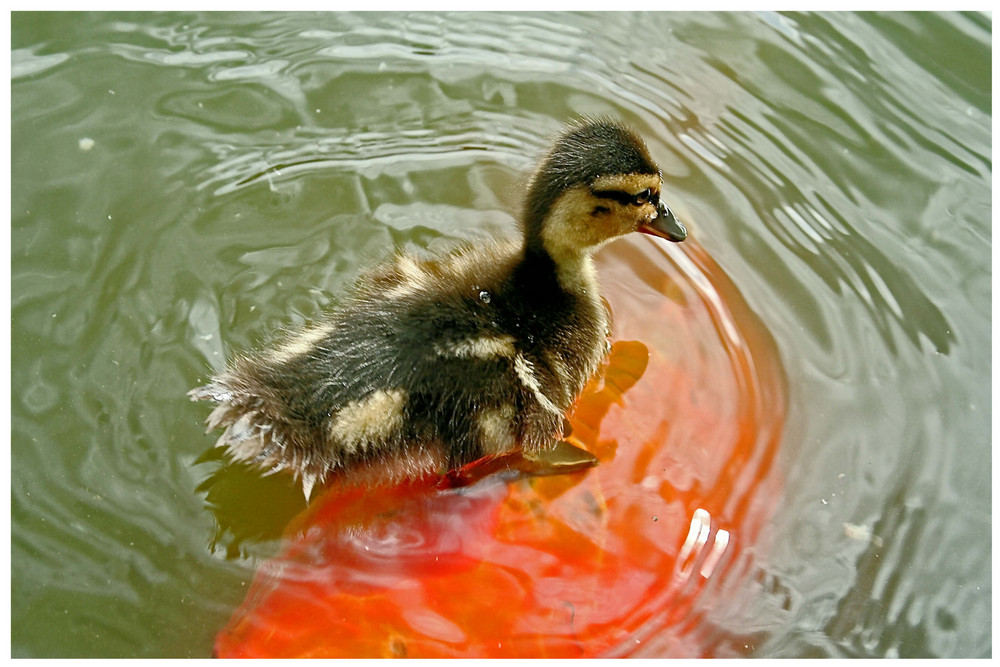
430,366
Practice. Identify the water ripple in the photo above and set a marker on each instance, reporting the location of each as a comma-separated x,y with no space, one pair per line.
186,182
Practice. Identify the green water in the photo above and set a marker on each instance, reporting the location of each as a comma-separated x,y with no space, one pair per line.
184,184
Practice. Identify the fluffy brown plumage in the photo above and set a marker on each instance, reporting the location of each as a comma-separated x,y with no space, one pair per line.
433,364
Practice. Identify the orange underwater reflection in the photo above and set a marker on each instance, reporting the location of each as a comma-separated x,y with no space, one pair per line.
612,561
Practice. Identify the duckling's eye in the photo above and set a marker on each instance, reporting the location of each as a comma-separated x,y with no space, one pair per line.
642,197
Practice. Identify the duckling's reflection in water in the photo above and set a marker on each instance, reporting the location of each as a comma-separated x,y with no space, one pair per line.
456,366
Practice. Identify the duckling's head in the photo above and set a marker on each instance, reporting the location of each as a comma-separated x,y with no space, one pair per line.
596,183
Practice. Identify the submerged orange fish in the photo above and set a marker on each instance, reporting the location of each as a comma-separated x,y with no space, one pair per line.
621,559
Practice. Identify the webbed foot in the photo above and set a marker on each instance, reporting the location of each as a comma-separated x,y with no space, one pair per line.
561,459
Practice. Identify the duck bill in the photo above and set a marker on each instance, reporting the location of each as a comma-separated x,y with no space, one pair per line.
665,225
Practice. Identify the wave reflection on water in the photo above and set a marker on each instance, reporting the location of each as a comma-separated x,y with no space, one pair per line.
244,167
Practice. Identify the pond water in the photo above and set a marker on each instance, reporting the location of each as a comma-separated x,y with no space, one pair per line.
184,184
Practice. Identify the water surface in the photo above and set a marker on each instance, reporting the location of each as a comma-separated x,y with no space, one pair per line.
184,184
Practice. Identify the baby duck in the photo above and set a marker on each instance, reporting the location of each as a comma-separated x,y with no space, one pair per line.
433,364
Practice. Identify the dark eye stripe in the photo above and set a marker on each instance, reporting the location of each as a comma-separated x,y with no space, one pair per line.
617,195
625,198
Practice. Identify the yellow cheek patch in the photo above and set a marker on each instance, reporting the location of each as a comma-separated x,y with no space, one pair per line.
568,226
630,183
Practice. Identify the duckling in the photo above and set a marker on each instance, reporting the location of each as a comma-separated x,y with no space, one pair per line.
432,364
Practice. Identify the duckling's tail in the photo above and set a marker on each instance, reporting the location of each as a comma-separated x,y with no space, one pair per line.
250,435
